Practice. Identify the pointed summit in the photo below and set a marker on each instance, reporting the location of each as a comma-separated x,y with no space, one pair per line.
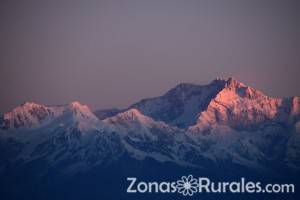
237,106
80,111
26,115
134,120
130,115
76,105
238,87
233,83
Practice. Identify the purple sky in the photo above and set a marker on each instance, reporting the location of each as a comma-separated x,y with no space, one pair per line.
113,53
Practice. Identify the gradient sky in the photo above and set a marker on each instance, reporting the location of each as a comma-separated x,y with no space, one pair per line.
113,53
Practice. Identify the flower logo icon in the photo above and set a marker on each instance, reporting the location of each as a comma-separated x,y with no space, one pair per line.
187,185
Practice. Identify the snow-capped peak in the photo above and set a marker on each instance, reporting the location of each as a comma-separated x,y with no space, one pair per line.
132,114
29,115
80,111
29,104
133,117
79,116
181,105
232,82
76,106
237,106
26,115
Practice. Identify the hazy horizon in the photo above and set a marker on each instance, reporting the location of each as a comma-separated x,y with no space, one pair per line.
113,53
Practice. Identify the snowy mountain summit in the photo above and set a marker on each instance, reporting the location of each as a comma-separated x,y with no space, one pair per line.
191,125
222,102
27,115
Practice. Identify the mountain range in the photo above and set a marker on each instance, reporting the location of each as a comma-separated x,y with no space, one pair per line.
222,125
